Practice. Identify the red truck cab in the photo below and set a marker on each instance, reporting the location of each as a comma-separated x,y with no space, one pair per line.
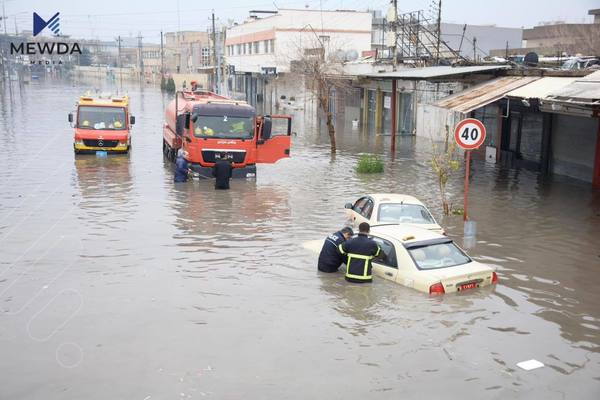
102,124
206,125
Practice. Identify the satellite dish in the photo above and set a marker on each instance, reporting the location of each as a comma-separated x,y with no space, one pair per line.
531,59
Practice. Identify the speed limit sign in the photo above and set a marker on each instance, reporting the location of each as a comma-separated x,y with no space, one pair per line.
469,133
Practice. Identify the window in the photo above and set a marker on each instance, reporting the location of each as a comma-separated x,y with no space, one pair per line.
238,48
256,47
272,45
324,39
409,213
226,127
266,46
249,48
437,255
360,203
367,209
387,256
112,118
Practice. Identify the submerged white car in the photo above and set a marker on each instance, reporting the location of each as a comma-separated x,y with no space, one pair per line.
424,260
387,208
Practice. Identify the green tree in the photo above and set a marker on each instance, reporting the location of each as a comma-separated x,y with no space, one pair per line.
444,163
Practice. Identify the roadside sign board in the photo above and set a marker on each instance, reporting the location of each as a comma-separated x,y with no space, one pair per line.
469,133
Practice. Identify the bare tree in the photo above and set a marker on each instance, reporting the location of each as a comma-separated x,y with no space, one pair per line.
444,163
322,69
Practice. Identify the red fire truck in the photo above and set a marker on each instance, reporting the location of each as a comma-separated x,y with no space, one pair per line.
206,125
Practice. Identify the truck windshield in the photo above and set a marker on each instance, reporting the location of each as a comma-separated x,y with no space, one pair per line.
91,117
225,127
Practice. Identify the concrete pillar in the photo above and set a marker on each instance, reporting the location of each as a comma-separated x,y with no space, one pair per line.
378,110
365,110
546,151
596,177
394,114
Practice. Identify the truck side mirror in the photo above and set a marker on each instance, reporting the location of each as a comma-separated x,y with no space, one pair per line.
194,117
266,128
183,122
131,120
71,117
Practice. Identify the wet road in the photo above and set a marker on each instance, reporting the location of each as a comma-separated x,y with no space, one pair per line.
116,283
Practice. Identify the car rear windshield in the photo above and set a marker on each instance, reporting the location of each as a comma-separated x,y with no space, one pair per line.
112,118
408,213
438,255
224,127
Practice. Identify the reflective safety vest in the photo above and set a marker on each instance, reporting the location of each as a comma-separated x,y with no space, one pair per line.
360,251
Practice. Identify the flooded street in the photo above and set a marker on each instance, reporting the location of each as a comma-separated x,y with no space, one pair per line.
115,283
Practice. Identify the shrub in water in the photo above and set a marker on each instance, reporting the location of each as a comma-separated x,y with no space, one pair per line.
369,164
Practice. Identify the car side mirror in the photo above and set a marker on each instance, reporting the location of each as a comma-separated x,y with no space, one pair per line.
131,120
266,128
71,117
348,206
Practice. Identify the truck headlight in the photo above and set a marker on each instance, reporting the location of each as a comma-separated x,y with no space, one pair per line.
79,142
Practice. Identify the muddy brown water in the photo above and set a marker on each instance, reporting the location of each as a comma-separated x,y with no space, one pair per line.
116,283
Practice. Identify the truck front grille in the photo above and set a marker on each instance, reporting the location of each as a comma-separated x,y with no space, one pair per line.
238,157
100,143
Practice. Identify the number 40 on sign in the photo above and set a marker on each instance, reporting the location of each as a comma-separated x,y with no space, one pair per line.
469,134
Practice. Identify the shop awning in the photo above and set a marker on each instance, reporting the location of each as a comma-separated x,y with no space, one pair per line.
437,72
484,93
541,88
583,91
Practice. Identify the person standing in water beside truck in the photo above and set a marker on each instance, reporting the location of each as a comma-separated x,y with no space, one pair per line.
222,171
181,167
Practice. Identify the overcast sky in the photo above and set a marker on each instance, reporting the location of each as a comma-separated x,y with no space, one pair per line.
105,19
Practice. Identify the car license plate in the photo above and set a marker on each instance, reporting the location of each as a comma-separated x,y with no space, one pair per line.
467,286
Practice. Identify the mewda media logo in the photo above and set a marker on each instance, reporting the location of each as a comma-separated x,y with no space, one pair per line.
39,24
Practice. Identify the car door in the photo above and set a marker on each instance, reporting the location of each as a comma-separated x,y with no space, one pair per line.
386,265
362,211
356,210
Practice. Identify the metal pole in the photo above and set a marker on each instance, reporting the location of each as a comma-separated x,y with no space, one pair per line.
120,65
395,27
466,199
474,49
439,32
393,105
4,16
462,38
214,40
162,56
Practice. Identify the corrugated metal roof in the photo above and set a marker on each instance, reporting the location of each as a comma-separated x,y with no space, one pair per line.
540,88
433,72
484,93
583,91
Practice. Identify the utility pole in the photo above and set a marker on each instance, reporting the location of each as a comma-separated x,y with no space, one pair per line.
395,27
506,53
214,42
119,63
141,55
439,32
162,56
474,49
4,16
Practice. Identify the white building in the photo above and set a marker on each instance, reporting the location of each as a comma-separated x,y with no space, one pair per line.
262,48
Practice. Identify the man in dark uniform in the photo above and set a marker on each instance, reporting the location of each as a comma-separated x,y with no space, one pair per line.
222,171
330,257
360,251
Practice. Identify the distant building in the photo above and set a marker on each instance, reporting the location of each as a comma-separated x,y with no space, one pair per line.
187,51
266,44
560,39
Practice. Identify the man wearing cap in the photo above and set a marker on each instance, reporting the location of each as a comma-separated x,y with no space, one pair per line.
330,257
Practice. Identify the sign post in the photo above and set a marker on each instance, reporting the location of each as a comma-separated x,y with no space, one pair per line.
469,134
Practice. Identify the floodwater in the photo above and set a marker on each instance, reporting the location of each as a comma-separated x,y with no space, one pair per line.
117,284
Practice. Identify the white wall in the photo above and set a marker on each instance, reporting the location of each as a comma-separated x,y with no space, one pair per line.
294,30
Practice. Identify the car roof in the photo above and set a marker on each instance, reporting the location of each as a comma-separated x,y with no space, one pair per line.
406,233
394,198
